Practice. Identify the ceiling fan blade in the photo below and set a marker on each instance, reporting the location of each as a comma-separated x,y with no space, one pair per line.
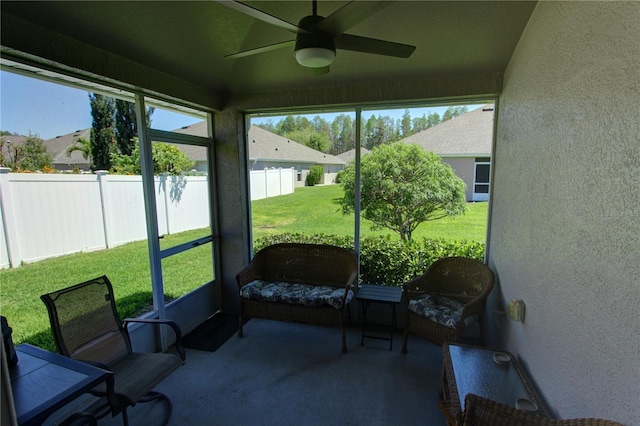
258,14
373,45
321,70
262,49
349,15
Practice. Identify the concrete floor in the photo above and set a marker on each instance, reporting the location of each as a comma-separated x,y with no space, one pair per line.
295,374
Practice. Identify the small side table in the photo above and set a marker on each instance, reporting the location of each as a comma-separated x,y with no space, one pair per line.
372,293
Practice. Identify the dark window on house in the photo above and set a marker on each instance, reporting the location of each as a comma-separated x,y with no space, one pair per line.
482,189
482,173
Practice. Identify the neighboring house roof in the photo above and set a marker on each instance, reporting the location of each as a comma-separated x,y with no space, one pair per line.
196,129
467,135
58,148
350,155
10,140
263,146
195,153
267,146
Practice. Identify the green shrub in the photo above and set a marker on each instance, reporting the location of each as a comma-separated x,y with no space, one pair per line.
384,260
315,175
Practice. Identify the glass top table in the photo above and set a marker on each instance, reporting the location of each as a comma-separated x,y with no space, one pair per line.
489,373
43,381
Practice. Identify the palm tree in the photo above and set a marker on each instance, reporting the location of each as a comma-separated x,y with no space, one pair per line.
82,145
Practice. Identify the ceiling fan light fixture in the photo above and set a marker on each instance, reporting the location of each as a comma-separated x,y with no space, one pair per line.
315,57
314,50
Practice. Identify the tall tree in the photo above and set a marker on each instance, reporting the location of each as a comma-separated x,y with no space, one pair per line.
342,134
433,119
309,137
126,125
301,122
454,111
419,124
371,133
321,126
102,133
286,125
403,186
126,128
405,124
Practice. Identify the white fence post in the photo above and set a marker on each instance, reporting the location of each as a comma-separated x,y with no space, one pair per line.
163,182
102,177
10,246
266,183
293,181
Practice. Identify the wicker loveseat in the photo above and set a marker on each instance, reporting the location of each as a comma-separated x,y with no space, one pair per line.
309,283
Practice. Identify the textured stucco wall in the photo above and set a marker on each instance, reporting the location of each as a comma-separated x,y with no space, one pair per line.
565,226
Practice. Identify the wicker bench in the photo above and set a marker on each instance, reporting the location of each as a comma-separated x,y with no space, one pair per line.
309,283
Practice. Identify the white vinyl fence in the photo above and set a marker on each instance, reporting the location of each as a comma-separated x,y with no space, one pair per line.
49,215
271,182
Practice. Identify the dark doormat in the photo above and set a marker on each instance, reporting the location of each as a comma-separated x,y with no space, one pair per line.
212,333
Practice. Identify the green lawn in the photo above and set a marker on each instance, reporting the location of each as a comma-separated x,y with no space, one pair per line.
309,210
127,267
317,210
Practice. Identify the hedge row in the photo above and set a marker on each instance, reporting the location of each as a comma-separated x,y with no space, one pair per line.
384,260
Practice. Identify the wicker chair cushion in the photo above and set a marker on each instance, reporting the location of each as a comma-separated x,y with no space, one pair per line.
440,309
298,294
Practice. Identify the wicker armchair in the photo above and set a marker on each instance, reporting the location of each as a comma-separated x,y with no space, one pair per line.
86,327
461,284
485,412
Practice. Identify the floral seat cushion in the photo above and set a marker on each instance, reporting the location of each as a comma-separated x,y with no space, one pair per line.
440,309
300,294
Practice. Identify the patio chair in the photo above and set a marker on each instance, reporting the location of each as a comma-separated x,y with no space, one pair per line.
485,412
446,299
86,327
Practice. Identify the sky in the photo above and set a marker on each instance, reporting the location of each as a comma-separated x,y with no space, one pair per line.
32,106
29,105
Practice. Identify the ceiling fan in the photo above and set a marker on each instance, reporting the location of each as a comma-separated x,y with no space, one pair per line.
317,37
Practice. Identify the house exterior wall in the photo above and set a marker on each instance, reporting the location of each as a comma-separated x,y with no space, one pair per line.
331,172
464,168
565,214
